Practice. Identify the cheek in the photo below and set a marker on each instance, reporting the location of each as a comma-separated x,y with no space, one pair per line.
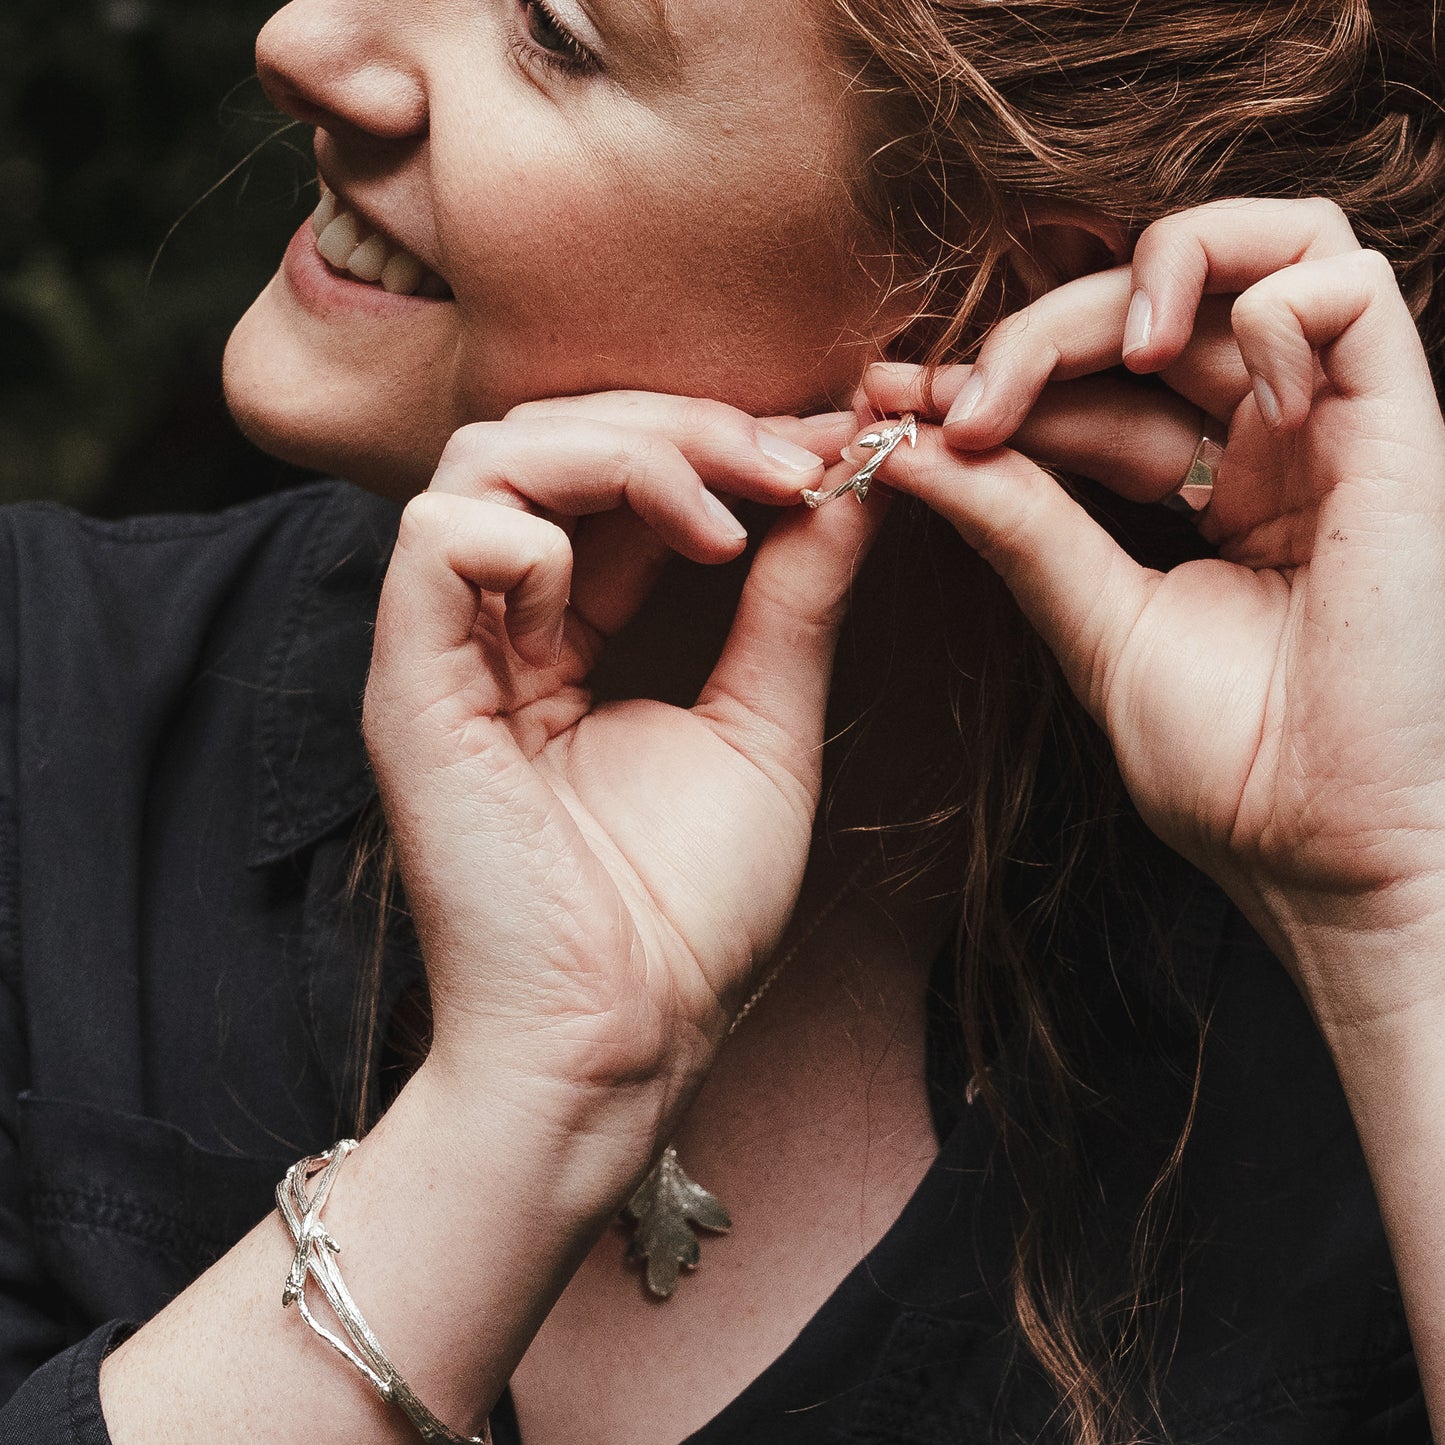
742,288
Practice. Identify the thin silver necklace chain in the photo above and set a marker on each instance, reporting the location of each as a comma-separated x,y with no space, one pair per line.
817,921
822,915
668,1207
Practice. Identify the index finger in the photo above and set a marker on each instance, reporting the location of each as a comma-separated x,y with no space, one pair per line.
731,450
1068,333
1223,246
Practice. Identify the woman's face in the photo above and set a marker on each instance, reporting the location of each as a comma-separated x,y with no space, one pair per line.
648,194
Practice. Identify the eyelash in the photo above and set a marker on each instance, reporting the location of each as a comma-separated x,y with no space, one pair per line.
570,58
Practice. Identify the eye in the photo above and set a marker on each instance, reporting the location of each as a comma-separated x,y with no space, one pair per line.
552,43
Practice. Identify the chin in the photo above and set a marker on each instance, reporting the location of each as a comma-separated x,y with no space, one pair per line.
301,409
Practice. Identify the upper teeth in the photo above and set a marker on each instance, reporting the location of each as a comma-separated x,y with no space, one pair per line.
344,240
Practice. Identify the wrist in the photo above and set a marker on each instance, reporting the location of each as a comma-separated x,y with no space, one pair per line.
1371,965
460,1219
1392,1065
463,1214
585,1146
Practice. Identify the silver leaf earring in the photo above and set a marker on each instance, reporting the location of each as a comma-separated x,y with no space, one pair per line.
882,444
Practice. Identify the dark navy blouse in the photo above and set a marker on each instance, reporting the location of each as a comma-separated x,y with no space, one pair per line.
180,770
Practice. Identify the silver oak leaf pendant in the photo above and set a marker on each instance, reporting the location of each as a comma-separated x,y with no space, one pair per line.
665,1208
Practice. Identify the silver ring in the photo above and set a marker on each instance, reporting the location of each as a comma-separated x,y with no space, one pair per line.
1194,491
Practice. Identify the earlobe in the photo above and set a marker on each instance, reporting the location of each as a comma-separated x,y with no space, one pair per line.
1056,242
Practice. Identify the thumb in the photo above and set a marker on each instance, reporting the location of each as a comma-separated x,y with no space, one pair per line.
776,664
1082,592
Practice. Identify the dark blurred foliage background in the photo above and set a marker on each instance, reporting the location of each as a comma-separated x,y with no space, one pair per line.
147,191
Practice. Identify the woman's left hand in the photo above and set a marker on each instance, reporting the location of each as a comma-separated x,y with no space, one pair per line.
1278,712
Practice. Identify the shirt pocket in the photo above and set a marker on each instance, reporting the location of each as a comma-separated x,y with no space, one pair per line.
128,1210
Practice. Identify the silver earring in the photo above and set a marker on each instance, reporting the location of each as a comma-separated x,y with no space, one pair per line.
882,444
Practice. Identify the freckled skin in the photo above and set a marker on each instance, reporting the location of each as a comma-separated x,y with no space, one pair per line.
673,224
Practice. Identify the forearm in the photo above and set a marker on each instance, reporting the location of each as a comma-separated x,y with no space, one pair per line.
458,1230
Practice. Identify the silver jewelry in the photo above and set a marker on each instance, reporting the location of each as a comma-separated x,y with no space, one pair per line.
668,1206
1193,493
315,1258
882,444
666,1209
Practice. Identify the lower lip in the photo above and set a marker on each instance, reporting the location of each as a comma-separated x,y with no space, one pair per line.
327,292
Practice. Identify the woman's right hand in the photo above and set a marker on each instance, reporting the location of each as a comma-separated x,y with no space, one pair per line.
594,885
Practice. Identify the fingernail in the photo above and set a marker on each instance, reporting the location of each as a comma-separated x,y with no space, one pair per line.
1267,401
966,402
723,519
1139,323
559,641
798,459
828,420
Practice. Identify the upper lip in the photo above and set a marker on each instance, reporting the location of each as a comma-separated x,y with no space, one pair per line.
369,220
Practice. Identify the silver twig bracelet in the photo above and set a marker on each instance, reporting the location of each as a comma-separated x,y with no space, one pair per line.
315,1257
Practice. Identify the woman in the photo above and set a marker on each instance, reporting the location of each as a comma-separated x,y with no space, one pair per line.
679,219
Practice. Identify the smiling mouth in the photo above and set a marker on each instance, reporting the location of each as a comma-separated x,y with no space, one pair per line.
348,245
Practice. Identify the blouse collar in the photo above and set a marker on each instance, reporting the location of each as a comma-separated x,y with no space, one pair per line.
311,769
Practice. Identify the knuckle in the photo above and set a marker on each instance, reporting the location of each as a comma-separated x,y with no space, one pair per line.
551,555
554,549
889,372
1248,309
372,719
1162,233
1005,335
1263,307
1329,214
626,456
697,416
886,380
623,399
1027,339
423,520
1376,266
1022,507
531,410
467,443
1016,509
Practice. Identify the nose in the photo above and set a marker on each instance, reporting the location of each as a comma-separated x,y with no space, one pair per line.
342,65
